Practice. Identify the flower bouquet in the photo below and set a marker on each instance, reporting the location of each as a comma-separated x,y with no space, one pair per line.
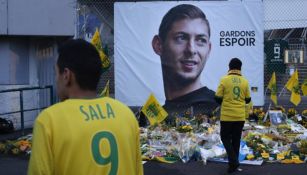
16,147
291,112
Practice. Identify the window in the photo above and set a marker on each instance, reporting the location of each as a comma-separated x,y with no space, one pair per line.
14,61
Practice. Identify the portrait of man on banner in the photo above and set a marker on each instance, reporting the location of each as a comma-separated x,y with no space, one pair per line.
165,54
183,45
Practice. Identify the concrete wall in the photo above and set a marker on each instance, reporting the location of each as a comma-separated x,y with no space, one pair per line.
37,17
25,29
13,51
3,17
40,73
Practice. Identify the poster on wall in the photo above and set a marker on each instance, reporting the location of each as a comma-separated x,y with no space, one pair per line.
294,56
184,46
274,55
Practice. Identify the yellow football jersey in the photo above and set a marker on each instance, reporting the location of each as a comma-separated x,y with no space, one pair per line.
86,137
234,89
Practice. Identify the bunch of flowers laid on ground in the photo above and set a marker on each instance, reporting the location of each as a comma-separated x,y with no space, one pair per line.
300,119
184,128
257,115
303,119
303,146
304,113
194,137
292,157
291,112
256,143
20,146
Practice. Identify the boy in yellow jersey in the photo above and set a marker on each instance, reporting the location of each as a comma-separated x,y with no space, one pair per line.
83,134
233,93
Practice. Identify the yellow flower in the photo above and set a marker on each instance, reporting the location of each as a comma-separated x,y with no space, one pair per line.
23,148
185,128
15,151
291,112
210,130
24,143
292,161
280,156
2,147
250,156
261,145
287,161
265,155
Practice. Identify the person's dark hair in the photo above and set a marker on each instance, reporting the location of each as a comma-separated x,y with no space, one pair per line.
183,11
235,63
83,59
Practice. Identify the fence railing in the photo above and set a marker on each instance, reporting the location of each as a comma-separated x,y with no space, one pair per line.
22,101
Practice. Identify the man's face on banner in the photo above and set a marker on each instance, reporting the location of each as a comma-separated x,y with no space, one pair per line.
185,50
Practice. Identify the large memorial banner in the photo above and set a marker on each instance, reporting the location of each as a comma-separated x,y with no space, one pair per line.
236,29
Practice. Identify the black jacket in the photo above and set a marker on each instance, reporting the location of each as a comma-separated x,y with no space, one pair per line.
200,101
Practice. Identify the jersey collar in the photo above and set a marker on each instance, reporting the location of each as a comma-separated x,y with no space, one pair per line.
234,72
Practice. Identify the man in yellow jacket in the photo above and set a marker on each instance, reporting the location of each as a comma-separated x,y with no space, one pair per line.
233,93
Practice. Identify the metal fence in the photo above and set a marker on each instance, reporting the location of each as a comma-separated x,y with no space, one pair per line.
92,14
290,38
21,105
280,41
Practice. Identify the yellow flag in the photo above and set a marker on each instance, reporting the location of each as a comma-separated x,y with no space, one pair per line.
160,159
166,159
106,91
292,81
293,86
304,87
248,109
153,110
272,86
97,43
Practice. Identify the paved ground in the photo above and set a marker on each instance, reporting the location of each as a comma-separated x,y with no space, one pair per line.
198,168
17,165
13,165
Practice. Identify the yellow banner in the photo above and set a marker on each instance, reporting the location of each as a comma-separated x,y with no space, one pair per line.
272,86
292,81
153,110
98,44
304,87
293,86
161,159
106,91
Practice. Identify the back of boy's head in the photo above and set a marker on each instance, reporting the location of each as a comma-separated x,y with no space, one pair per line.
235,63
83,59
